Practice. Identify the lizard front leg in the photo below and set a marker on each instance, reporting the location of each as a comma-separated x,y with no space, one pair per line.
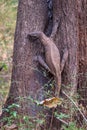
55,27
42,62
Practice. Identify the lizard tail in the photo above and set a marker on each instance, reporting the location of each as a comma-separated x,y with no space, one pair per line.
58,86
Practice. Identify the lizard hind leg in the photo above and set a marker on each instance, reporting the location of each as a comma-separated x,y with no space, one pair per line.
64,58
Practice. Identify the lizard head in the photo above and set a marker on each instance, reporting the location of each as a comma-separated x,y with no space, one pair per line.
34,35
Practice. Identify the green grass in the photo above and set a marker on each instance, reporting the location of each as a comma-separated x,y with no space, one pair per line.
8,12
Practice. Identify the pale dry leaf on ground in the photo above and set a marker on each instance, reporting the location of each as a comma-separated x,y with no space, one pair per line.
51,102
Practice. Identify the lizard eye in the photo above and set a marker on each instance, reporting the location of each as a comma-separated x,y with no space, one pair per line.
31,37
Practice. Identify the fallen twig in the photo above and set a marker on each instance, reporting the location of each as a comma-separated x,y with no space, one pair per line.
85,119
64,122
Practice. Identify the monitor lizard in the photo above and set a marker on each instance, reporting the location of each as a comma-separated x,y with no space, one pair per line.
52,56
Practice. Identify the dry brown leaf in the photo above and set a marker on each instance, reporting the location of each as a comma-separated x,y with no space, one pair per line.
51,102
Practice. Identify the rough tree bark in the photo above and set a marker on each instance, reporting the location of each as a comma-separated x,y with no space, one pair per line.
82,29
27,77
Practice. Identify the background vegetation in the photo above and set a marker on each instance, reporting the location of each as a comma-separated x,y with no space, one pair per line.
8,13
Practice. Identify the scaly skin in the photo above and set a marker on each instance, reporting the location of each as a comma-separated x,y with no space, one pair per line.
52,56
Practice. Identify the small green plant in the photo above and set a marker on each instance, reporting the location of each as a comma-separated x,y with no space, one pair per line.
61,115
12,113
72,126
3,65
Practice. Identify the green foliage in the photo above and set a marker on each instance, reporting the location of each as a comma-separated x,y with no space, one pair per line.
72,126
11,109
27,121
7,21
4,65
61,115
31,122
8,13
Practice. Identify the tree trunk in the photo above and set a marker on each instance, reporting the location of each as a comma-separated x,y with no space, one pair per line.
28,79
82,26
67,37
